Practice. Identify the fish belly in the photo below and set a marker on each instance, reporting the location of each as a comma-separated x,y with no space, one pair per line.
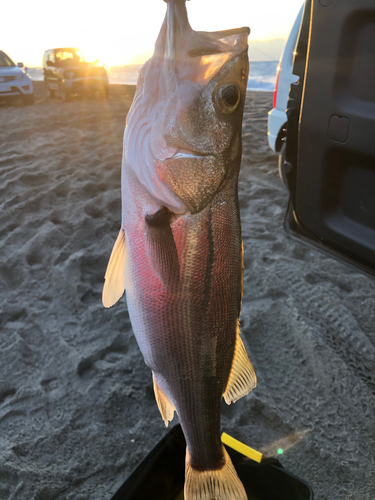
187,330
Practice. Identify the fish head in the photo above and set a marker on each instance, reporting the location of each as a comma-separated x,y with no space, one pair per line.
183,134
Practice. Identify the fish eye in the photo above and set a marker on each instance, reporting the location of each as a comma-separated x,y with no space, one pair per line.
228,98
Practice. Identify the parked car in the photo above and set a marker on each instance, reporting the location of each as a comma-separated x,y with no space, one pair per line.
284,77
66,73
330,148
14,82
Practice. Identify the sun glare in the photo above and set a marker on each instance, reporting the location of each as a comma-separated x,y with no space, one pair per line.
125,33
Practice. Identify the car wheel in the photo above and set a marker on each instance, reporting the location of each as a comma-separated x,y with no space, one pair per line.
282,165
50,93
104,92
28,99
65,96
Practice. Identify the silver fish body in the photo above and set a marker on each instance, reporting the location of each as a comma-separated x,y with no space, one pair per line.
179,251
187,330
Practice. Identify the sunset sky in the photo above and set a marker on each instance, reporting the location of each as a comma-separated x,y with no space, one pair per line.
124,32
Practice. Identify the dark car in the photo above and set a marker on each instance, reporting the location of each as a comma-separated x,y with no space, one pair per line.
66,73
330,138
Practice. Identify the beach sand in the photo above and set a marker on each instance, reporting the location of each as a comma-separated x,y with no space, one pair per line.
77,410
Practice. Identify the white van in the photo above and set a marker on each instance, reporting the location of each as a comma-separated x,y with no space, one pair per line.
277,116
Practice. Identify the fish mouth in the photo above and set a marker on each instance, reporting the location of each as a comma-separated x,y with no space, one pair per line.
217,42
186,154
207,51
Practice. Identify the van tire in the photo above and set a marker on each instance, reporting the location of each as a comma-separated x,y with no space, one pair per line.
64,95
281,163
104,92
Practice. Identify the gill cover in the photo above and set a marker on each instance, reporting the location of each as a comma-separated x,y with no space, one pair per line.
169,85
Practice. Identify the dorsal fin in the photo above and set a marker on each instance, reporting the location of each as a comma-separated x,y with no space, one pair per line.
242,378
114,284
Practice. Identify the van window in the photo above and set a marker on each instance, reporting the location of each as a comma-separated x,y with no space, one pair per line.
64,57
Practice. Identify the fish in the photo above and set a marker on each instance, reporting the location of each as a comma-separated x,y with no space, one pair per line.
179,252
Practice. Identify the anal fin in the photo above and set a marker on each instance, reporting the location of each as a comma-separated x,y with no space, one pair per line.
242,378
161,247
114,284
166,408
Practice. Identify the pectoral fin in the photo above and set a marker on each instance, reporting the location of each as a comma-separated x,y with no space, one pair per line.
161,248
114,284
242,378
166,408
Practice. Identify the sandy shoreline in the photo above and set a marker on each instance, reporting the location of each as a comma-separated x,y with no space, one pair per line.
77,411
117,91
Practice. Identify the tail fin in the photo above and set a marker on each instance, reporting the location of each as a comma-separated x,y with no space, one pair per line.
220,484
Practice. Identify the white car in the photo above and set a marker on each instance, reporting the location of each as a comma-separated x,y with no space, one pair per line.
277,117
14,82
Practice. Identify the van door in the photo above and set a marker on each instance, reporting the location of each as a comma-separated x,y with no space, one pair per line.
49,69
330,156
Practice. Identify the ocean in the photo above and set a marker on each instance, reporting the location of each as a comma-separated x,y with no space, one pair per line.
262,75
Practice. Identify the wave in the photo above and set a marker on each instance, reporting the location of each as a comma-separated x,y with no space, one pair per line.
262,75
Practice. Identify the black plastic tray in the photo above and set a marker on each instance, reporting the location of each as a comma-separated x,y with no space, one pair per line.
160,476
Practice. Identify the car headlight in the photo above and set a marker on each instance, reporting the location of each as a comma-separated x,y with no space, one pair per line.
21,76
69,75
